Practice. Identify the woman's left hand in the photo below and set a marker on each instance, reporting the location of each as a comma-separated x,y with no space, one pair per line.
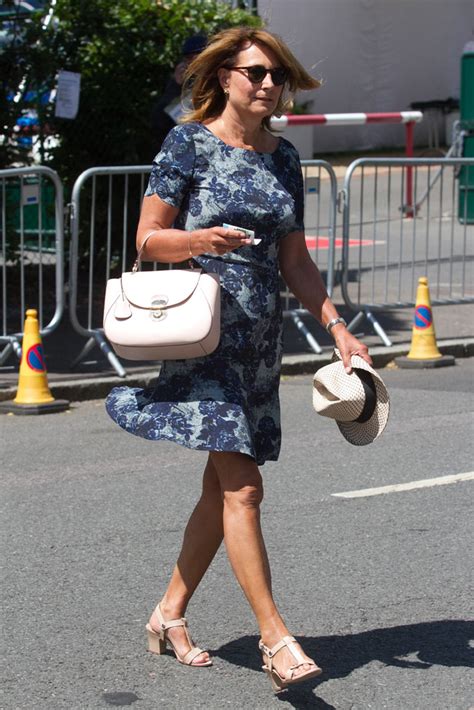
348,345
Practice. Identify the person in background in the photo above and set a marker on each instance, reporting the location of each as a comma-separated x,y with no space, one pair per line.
168,109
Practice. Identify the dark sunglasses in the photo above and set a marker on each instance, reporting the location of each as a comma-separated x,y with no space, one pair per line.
257,73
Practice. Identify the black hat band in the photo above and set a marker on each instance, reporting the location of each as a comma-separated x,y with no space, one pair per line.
370,395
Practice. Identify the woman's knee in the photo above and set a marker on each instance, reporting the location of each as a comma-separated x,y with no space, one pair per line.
247,497
240,480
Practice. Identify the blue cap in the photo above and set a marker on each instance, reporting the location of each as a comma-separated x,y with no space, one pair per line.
194,45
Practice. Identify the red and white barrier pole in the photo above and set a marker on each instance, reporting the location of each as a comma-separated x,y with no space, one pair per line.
345,119
409,118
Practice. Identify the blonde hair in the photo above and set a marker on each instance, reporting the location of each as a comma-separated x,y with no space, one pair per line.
208,99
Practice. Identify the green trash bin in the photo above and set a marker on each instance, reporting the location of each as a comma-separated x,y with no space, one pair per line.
466,174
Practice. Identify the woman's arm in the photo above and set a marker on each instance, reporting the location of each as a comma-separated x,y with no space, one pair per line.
175,245
304,280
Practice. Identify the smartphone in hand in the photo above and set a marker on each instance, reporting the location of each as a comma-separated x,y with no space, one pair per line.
249,233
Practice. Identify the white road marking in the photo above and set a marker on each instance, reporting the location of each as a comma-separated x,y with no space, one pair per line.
413,485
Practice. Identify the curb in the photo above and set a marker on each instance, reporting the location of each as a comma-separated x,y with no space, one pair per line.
381,356
80,390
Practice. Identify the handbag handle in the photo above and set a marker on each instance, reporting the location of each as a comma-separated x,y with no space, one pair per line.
137,262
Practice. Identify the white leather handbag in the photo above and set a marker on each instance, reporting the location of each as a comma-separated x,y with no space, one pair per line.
162,315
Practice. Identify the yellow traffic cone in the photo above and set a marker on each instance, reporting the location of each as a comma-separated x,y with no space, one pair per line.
424,350
33,394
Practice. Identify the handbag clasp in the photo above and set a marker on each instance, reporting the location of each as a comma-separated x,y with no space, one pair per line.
157,307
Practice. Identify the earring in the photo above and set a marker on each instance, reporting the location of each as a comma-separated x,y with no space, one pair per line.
226,92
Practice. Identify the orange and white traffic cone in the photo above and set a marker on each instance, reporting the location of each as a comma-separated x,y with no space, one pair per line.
424,350
33,395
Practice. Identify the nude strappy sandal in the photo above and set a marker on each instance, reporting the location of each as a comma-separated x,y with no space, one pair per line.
278,682
157,640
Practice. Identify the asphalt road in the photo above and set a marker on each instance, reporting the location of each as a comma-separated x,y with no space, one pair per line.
377,586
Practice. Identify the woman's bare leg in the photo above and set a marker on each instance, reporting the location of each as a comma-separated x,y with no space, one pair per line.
202,539
242,490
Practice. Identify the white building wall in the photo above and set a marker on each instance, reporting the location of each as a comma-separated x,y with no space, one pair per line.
374,55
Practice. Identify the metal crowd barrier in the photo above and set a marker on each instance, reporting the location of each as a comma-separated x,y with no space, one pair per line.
385,252
32,252
320,187
104,213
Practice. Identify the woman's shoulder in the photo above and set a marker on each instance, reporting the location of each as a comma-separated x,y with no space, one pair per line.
192,135
286,147
179,141
184,131
287,158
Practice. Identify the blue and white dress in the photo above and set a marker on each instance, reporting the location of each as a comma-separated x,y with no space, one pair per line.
226,401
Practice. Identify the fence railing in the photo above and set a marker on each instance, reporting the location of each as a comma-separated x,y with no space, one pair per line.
381,255
320,188
105,205
32,252
384,253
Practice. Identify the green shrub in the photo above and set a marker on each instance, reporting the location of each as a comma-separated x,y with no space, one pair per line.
124,51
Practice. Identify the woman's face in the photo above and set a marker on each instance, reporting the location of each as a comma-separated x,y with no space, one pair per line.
258,99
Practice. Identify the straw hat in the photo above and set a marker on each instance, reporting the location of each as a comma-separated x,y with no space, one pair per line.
359,402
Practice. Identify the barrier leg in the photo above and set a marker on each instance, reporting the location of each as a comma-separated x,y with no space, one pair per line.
99,340
85,351
452,152
355,322
6,352
12,346
110,355
312,342
378,329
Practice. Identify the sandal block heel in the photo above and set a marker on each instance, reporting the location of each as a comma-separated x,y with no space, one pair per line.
275,680
157,640
156,644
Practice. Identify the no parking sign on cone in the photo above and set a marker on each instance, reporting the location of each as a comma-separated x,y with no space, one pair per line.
33,395
424,350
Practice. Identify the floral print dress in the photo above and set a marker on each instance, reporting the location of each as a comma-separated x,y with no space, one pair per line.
226,401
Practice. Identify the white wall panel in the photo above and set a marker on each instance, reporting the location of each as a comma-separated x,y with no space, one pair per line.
374,55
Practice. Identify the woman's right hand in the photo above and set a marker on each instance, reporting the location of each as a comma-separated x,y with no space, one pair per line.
217,240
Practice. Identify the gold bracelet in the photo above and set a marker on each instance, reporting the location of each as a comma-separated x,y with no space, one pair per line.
190,251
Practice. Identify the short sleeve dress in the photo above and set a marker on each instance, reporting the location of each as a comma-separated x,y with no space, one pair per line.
228,400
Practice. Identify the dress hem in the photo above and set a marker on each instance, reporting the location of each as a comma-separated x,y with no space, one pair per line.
198,447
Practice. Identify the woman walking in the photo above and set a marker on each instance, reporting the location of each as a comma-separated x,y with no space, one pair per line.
223,167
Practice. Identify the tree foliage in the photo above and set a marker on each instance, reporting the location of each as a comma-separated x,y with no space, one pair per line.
124,51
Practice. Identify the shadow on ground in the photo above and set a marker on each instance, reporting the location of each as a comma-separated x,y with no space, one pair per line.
443,643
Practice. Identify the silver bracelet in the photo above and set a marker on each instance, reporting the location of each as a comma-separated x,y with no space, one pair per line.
333,322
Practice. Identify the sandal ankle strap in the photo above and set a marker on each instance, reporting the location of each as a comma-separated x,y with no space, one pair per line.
270,652
165,625
172,623
290,643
